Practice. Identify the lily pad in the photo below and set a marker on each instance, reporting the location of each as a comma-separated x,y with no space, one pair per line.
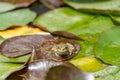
88,64
19,3
107,47
6,7
96,6
84,25
6,69
19,17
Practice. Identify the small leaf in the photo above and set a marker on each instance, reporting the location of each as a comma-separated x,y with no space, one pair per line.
96,6
6,7
18,18
107,47
19,3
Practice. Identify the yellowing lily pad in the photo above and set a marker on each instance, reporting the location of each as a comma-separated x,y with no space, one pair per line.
88,64
24,30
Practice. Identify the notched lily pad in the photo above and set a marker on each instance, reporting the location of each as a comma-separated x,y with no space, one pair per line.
47,46
19,3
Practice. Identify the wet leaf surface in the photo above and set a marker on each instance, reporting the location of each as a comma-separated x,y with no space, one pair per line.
6,7
19,3
96,6
18,18
107,47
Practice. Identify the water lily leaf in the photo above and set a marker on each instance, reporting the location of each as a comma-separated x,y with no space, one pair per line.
88,64
86,26
19,3
108,73
18,17
47,46
6,69
96,6
22,30
107,47
6,7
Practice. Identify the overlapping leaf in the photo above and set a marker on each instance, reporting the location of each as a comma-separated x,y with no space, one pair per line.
84,25
96,6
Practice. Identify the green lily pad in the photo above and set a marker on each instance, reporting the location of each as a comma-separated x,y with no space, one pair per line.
84,25
96,6
107,47
6,7
9,65
19,18
6,69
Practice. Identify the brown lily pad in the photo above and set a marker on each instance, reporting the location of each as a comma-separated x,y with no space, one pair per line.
47,47
19,3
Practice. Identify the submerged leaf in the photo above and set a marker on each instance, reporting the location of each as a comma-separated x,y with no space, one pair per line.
107,47
96,6
19,3
19,18
6,7
47,46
